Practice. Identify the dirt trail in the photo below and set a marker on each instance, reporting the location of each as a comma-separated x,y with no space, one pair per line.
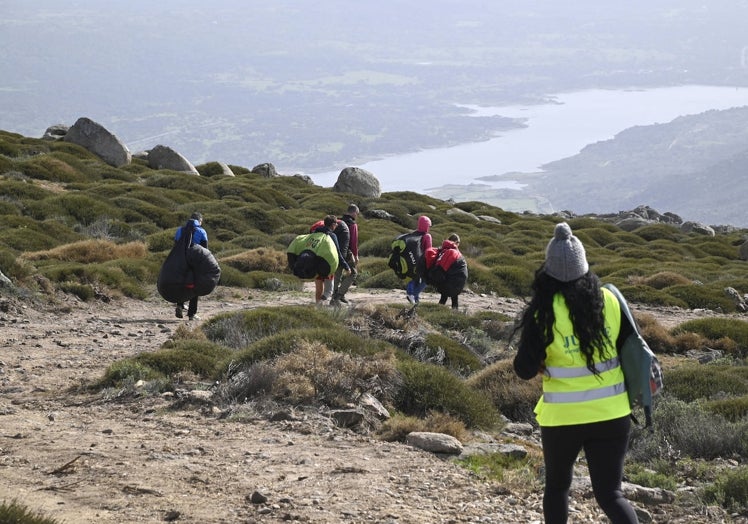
79,459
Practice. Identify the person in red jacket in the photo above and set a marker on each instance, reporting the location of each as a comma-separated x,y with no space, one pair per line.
446,270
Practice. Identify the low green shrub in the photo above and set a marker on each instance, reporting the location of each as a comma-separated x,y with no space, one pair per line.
237,330
126,372
493,466
690,382
716,328
397,427
688,430
334,338
513,397
428,387
15,513
703,297
444,318
83,291
643,476
447,352
733,409
729,490
199,357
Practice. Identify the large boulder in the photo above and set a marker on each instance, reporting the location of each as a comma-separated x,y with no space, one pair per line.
358,182
163,157
95,138
698,228
265,170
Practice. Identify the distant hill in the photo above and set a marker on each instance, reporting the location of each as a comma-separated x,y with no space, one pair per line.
694,166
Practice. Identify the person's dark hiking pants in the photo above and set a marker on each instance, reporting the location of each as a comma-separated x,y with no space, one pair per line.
605,444
343,282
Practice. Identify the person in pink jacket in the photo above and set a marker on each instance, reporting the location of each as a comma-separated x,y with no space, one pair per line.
418,283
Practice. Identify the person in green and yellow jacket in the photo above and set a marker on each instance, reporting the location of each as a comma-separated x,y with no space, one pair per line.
570,334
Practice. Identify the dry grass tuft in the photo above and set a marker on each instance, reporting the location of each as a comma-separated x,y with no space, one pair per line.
91,251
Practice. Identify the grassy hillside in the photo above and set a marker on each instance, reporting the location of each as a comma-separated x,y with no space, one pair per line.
75,225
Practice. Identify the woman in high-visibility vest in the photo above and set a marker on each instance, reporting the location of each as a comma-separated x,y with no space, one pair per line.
571,331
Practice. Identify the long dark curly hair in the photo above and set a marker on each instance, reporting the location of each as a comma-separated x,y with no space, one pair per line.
585,302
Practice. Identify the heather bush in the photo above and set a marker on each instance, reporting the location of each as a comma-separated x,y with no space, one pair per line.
259,259
729,490
385,279
22,234
126,372
272,281
518,279
482,279
428,387
447,352
496,466
239,329
690,382
662,280
642,475
446,319
659,232
90,251
513,397
733,409
684,429
314,373
397,427
14,513
48,168
702,297
716,328
379,247
199,357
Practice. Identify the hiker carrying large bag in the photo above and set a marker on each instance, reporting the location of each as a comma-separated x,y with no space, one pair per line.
446,270
312,255
190,270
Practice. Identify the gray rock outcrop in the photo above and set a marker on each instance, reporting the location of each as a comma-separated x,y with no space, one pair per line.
358,182
55,132
164,157
95,138
265,170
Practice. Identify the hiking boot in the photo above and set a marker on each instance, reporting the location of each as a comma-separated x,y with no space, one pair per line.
178,312
343,300
194,317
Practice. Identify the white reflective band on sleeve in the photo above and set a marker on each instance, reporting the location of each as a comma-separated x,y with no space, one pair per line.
582,371
584,396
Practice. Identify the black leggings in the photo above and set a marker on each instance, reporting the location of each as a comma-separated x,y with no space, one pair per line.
604,445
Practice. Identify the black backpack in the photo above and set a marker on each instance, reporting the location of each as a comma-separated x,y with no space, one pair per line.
406,253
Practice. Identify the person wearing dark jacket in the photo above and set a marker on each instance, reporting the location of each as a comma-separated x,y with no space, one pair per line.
417,284
329,226
571,332
350,253
447,270
199,236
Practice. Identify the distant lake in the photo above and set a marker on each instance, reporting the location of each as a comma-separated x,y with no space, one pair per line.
555,130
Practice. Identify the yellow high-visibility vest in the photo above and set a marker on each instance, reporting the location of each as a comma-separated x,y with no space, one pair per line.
572,394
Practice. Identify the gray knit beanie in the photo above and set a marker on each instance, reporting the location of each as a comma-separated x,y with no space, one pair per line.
565,259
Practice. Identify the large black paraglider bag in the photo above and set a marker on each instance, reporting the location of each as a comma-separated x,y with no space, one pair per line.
176,281
205,270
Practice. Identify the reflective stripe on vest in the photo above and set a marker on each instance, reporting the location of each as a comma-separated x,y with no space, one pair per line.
582,371
584,396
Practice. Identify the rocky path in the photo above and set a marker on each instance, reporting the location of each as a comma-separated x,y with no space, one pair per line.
80,459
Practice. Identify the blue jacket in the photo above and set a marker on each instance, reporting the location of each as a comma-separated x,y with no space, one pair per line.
199,236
